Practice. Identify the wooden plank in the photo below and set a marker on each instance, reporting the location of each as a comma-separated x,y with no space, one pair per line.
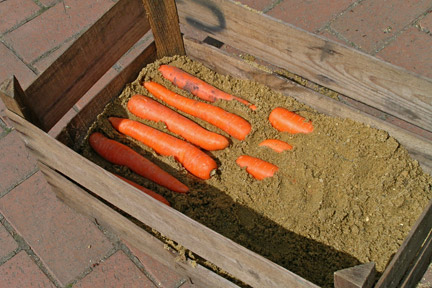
80,200
243,264
165,26
408,251
220,61
361,276
76,129
16,100
343,69
420,266
89,57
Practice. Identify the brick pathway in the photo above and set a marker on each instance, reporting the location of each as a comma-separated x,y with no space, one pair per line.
43,243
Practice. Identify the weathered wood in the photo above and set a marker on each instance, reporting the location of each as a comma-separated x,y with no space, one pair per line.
164,23
343,69
224,253
222,62
77,127
421,264
16,100
89,57
83,202
409,251
361,276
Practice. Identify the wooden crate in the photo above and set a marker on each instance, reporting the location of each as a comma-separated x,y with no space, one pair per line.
360,78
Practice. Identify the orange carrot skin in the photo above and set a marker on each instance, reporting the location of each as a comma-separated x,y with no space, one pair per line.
232,124
277,145
258,168
193,159
145,190
120,154
198,87
286,121
149,109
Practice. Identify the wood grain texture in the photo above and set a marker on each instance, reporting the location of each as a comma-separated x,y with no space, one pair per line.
77,128
243,264
15,99
409,252
343,69
164,22
86,60
361,276
83,202
220,61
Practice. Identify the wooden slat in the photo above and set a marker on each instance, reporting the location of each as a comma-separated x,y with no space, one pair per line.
165,26
226,254
420,266
220,61
345,70
15,99
408,251
81,201
77,128
361,276
89,57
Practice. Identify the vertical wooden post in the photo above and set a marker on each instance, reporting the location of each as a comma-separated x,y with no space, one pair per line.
165,26
15,100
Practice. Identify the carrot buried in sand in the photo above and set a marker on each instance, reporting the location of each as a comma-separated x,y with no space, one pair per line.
145,190
277,145
192,158
120,154
286,121
258,168
232,124
198,87
149,109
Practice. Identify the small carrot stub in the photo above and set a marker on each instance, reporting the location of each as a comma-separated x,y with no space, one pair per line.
232,124
193,159
120,154
149,109
145,190
256,167
277,145
197,86
286,121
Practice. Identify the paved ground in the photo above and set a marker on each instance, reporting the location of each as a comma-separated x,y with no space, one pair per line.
43,243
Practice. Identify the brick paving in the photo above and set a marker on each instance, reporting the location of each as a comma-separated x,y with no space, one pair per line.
43,243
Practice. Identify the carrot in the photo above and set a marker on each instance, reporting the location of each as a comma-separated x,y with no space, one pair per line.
193,159
277,145
232,124
149,109
145,190
258,168
198,87
120,154
287,121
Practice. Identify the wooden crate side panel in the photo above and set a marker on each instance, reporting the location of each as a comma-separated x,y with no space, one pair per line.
83,64
243,264
80,200
347,71
76,130
221,62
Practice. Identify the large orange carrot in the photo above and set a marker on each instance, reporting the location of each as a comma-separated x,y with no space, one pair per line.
198,87
149,109
193,159
277,145
233,124
258,168
145,190
120,154
287,121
